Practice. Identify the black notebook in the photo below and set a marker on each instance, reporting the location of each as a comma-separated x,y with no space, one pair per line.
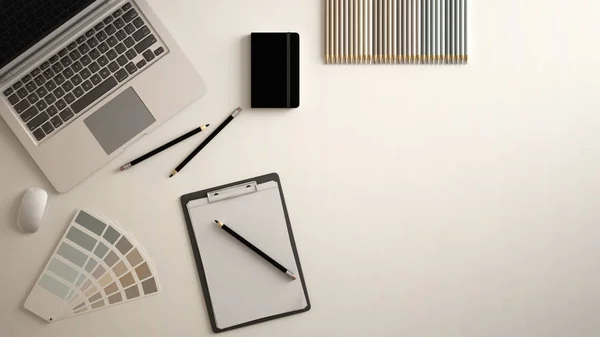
275,70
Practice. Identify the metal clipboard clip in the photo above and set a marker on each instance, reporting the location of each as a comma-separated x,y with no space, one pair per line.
232,192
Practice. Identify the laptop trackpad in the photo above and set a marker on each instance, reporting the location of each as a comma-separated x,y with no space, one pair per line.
119,120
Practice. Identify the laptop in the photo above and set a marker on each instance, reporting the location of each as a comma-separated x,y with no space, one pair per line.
80,80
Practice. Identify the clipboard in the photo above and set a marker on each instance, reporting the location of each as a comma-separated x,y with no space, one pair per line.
233,278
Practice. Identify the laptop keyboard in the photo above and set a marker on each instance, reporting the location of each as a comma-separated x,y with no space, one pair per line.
91,66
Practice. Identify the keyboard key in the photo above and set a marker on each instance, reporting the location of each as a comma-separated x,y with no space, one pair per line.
92,42
103,48
37,121
26,78
33,98
130,28
94,54
57,67
141,33
145,43
17,85
138,22
76,80
131,54
83,49
129,42
99,27
50,99
72,46
60,104
121,35
110,30
66,61
96,79
8,92
126,6
48,128
117,13
131,68
87,85
94,67
85,60
119,23
112,54
56,122
39,80
22,93
28,114
59,79
41,92
51,111
78,92
22,105
13,99
63,53
48,74
41,105
121,75
94,94
80,39
69,98
39,134
66,114
148,55
101,36
122,60
104,72
85,73
102,61
75,55
113,66
30,86
36,72
120,48
130,15
68,86
69,72
112,41
45,65
59,92
50,85
89,33
108,20
141,64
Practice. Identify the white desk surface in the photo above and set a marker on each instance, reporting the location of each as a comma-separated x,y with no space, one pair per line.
425,200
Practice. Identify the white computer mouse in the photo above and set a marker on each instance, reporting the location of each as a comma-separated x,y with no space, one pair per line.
32,210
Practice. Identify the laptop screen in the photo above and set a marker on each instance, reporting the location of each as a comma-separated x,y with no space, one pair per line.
23,23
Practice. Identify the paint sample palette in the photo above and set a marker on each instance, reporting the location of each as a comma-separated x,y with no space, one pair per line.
96,265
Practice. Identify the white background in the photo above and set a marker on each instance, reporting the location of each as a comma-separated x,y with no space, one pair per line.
425,200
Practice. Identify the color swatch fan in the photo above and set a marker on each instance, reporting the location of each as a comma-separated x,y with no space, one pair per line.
96,265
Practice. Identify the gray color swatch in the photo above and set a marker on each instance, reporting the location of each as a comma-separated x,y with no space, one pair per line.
81,238
124,245
111,235
119,120
111,259
149,286
101,250
72,254
132,292
63,270
90,265
94,225
54,286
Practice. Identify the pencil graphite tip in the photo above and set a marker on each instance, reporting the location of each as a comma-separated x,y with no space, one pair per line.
219,223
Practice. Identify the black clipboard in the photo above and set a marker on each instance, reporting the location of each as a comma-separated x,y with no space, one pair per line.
198,258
